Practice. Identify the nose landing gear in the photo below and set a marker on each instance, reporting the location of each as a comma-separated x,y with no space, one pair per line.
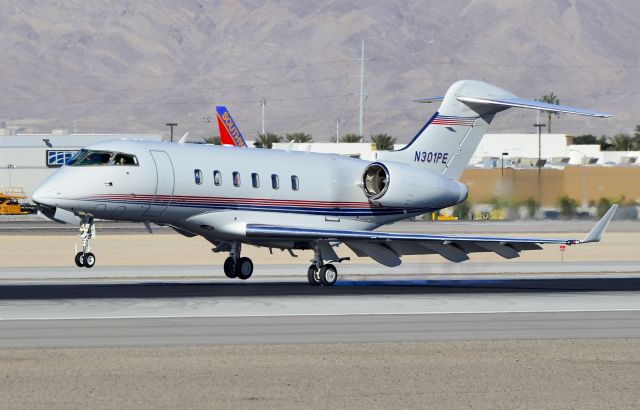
87,231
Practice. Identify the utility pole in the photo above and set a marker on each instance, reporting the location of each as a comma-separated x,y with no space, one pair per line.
263,103
337,129
171,124
361,126
540,126
504,154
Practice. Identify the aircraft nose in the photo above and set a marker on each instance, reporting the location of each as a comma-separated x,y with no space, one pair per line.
43,195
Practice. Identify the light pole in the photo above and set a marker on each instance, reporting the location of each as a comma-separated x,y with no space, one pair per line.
584,177
539,125
502,165
10,167
338,129
171,124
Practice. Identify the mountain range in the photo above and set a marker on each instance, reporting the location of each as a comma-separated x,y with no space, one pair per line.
131,66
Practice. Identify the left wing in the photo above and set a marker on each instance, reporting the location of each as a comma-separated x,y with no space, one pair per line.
387,247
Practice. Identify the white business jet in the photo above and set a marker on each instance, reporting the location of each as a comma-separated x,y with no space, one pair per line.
295,200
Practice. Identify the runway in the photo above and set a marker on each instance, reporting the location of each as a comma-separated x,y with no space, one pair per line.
387,310
297,271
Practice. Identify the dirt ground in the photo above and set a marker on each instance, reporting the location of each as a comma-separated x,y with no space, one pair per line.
527,374
173,249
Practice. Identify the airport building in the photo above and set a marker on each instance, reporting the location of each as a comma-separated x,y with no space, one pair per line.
495,150
28,159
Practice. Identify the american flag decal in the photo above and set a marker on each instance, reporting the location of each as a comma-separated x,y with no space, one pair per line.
448,120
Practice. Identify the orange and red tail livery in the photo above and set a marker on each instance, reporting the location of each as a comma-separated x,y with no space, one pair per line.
229,132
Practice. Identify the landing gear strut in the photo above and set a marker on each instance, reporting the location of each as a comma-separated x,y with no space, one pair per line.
87,231
236,266
319,273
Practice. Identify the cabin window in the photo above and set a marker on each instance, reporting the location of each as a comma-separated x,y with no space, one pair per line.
255,180
295,183
197,174
217,178
236,178
275,182
125,159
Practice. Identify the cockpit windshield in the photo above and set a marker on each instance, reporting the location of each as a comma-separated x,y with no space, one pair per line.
85,158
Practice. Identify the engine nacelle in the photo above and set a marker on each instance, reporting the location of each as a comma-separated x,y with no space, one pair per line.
396,184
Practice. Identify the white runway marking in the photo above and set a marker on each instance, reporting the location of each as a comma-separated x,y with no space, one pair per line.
319,315
294,306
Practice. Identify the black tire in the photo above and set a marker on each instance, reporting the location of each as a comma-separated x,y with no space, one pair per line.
328,275
79,260
244,268
230,268
313,276
89,260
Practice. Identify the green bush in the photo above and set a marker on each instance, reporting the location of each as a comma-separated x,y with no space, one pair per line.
532,206
462,210
568,206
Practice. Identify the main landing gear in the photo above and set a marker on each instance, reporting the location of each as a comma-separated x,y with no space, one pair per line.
236,266
87,231
319,273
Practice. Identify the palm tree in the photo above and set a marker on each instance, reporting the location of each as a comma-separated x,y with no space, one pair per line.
384,142
550,98
351,138
622,142
299,137
636,138
267,140
215,140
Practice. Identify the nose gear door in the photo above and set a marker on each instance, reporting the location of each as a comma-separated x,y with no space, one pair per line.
165,181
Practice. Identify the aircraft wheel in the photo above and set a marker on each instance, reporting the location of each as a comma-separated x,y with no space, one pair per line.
244,268
79,260
230,268
313,276
89,260
328,275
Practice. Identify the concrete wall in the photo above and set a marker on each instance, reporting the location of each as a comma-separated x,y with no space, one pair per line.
583,184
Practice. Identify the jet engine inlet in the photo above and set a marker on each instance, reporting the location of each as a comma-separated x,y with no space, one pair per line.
375,180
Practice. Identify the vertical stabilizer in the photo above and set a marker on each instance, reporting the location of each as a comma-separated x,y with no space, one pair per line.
229,132
448,140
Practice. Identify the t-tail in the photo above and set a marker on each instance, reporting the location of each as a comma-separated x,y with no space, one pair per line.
448,140
229,133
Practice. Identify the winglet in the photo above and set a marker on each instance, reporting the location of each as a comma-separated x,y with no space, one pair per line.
596,233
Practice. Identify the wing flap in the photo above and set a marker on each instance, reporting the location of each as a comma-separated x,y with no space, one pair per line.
376,251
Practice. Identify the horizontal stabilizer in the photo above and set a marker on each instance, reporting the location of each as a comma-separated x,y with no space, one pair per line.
534,105
429,100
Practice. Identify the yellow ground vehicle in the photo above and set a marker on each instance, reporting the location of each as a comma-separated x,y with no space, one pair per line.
9,204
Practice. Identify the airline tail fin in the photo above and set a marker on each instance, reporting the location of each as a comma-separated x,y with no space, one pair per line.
229,133
448,140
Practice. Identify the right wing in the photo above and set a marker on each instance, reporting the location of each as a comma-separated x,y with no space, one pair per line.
387,247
